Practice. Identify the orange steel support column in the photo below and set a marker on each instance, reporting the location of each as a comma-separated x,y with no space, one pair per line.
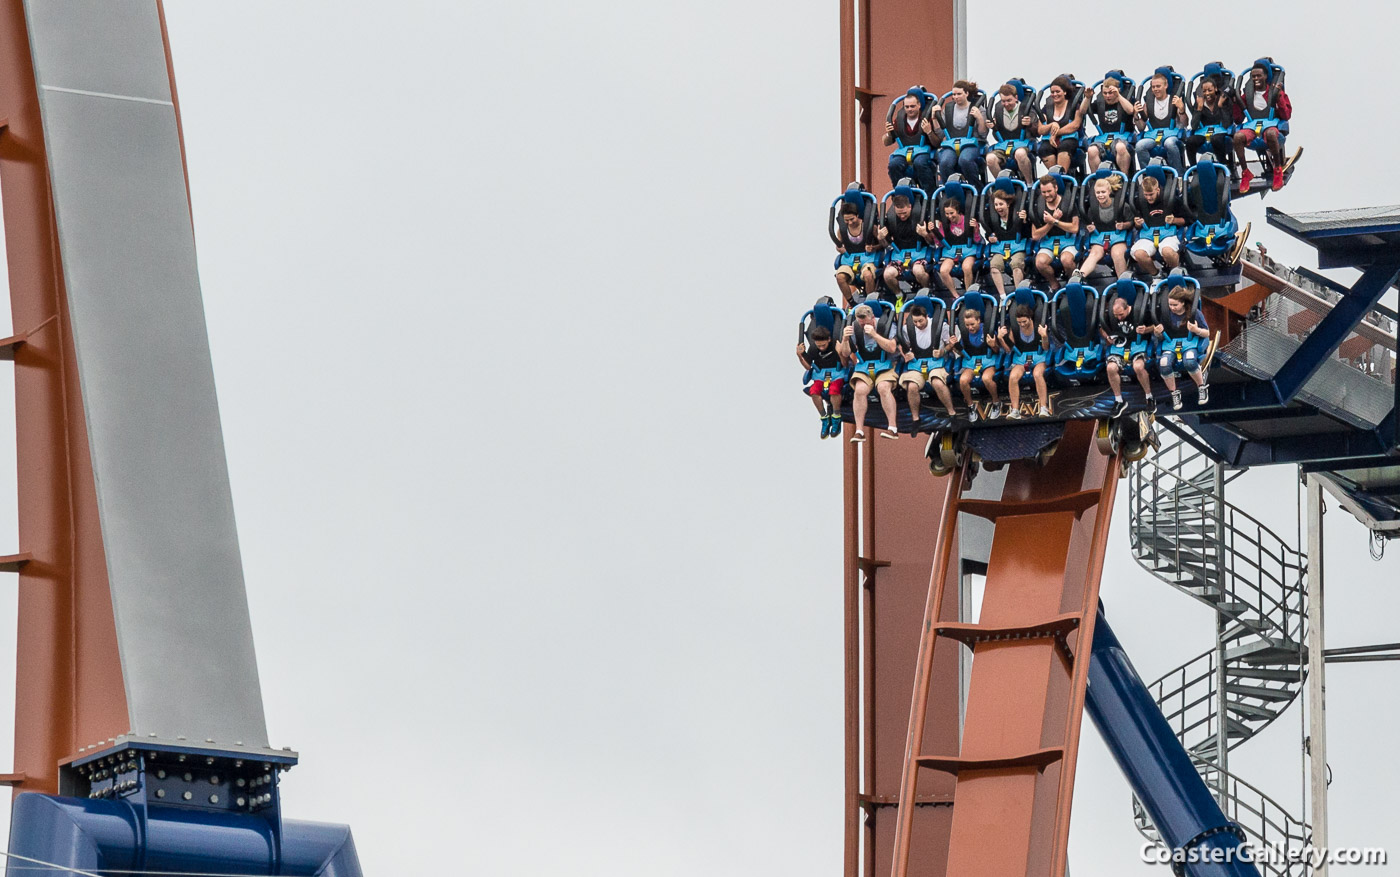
891,503
69,689
1015,769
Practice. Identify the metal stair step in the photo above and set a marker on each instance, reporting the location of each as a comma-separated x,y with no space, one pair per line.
1248,672
1245,625
1277,695
1250,710
1267,650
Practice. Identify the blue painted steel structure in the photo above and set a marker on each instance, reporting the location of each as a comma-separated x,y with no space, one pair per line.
1160,772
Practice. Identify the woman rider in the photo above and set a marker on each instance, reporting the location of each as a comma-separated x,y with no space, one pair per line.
960,118
1060,125
1211,111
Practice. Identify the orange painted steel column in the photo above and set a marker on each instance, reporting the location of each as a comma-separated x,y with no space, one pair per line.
1015,768
69,690
892,504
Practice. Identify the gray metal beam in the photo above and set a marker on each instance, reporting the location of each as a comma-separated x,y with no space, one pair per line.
127,248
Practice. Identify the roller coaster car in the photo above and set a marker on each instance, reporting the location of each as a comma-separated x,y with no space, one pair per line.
1027,100
1260,122
905,258
864,202
1212,242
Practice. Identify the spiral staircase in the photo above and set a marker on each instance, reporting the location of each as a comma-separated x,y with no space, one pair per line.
1187,535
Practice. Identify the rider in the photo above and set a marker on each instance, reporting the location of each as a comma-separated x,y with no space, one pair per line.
855,238
1104,216
960,118
1262,99
1060,125
955,230
869,355
1113,115
1156,111
1211,110
1006,224
1156,214
1176,325
823,358
928,342
1058,218
976,346
900,230
1119,334
1028,346
915,134
1008,122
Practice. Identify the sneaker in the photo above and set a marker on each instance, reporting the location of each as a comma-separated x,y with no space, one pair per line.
1176,400
858,437
1151,404
826,427
1245,179
1119,406
1013,414
1203,394
1076,277
890,433
994,412
1042,411
972,414
1278,178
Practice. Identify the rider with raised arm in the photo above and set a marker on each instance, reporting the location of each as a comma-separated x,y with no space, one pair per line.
1060,125
1011,123
916,136
1113,115
1158,113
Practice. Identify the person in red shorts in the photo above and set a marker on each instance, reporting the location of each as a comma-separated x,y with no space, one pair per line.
826,378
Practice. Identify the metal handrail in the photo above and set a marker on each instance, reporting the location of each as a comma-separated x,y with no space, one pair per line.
1187,535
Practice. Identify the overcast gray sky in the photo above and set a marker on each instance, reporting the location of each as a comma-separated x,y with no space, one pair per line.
542,552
